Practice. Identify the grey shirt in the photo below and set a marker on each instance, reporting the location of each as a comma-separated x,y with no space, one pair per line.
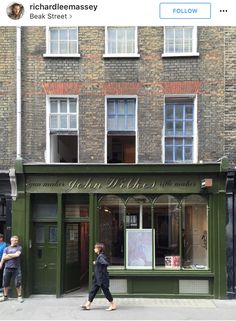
15,262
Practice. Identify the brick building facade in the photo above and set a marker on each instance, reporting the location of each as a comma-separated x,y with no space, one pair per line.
162,115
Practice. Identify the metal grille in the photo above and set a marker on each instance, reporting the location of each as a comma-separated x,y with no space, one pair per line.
194,286
118,286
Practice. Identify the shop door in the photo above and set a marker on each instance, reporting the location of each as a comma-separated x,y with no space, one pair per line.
44,258
76,256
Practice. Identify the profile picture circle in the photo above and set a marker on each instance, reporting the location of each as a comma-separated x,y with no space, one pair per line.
15,10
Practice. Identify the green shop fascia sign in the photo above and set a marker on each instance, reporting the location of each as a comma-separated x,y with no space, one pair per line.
113,183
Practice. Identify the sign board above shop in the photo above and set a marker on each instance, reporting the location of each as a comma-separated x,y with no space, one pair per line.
113,183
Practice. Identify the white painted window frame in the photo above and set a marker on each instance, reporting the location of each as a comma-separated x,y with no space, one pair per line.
195,128
49,54
194,52
48,131
121,55
136,123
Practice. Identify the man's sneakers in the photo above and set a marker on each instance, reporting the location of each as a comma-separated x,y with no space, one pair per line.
3,298
20,299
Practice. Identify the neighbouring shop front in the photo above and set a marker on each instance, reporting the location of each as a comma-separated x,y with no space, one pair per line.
163,227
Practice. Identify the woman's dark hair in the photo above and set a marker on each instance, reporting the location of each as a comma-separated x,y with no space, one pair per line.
100,246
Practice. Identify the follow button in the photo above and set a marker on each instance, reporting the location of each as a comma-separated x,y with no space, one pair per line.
185,10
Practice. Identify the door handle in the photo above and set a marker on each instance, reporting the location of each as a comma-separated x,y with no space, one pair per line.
45,265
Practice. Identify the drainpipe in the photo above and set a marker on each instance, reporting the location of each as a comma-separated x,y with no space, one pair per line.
18,93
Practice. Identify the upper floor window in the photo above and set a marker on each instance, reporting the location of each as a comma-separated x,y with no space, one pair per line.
62,138
63,114
62,41
179,130
121,130
121,114
180,41
121,42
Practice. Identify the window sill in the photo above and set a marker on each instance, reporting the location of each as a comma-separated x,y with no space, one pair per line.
61,55
121,55
184,54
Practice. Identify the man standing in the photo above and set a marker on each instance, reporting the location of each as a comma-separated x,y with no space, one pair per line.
12,269
2,247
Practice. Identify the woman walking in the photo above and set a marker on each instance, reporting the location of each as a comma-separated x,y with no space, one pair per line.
101,279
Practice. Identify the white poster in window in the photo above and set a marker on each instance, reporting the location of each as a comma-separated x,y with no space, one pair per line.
139,248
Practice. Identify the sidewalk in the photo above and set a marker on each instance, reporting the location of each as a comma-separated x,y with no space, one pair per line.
42,307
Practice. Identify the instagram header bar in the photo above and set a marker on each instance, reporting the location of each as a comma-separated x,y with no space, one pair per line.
117,12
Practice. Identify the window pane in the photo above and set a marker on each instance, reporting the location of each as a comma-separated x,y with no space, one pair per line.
131,107
169,112
52,234
63,47
53,106
121,41
72,47
63,121
76,205
54,47
72,103
178,40
188,155
44,206
73,122
169,154
188,128
111,228
166,225
63,106
169,33
189,112
121,107
130,123
179,128
63,34
179,153
39,234
179,111
121,123
73,34
111,123
169,128
111,108
195,233
53,122
54,34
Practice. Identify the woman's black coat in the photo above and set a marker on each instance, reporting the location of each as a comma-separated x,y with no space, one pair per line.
101,276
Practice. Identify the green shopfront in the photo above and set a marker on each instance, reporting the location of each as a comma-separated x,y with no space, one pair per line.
162,225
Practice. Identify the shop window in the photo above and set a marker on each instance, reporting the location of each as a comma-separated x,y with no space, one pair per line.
121,42
111,228
194,233
179,130
44,206
139,233
121,130
138,213
76,205
63,130
166,226
62,41
180,41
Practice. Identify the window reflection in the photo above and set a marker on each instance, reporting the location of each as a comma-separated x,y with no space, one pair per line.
166,225
111,228
195,233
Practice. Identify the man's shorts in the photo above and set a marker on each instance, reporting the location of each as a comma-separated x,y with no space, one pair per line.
10,274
